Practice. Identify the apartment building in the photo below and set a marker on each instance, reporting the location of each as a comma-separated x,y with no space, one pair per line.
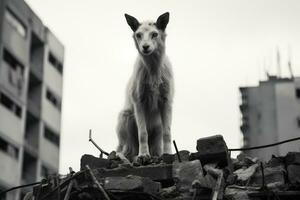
31,79
271,113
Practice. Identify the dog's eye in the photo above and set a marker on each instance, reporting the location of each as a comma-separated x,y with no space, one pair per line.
154,35
139,35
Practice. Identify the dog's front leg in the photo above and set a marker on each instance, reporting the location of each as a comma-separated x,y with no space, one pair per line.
167,119
142,130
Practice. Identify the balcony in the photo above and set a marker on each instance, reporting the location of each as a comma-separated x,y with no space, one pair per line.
49,153
11,125
29,168
34,95
36,56
9,169
12,75
244,107
51,114
32,130
244,128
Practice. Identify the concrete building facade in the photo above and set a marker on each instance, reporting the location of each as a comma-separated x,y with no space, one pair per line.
271,113
31,79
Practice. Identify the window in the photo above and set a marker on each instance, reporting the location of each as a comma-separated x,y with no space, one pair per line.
12,61
53,99
51,136
10,105
15,74
9,148
298,93
15,22
55,63
45,172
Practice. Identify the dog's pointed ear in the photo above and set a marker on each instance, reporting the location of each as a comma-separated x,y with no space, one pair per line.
132,22
162,21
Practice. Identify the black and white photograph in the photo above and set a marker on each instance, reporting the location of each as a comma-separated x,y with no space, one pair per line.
149,100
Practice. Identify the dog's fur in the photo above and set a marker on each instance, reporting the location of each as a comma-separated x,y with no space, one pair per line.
144,124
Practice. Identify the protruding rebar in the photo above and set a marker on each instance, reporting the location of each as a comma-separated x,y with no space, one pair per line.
94,143
99,186
177,152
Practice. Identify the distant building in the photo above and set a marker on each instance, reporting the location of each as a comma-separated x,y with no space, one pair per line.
271,113
31,77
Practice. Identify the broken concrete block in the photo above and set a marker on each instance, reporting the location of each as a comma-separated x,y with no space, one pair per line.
212,149
161,172
272,176
132,183
292,158
275,161
169,192
294,174
218,187
93,162
185,173
184,155
244,174
236,194
231,179
168,158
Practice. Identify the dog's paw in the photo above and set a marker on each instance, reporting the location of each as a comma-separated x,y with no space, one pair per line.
142,160
120,157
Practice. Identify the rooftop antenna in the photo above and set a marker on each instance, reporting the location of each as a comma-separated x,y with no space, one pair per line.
290,63
278,63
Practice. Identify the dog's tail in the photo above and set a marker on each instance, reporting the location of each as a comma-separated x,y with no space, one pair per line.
127,135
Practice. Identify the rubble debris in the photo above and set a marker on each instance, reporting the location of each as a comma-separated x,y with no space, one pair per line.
273,176
244,174
195,176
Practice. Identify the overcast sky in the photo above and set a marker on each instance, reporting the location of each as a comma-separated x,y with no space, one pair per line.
215,47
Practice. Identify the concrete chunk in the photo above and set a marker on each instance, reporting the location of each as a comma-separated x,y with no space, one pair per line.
132,183
294,174
93,162
244,174
212,149
273,176
293,158
185,173
160,172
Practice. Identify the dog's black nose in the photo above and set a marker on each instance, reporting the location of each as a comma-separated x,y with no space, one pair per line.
146,47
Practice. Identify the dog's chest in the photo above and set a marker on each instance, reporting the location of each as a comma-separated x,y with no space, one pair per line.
152,93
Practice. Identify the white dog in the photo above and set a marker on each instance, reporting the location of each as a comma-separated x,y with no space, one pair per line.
144,124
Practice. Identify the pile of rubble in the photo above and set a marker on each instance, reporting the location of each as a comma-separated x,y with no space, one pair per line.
209,173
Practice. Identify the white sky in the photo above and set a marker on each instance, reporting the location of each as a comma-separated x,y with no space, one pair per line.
214,46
